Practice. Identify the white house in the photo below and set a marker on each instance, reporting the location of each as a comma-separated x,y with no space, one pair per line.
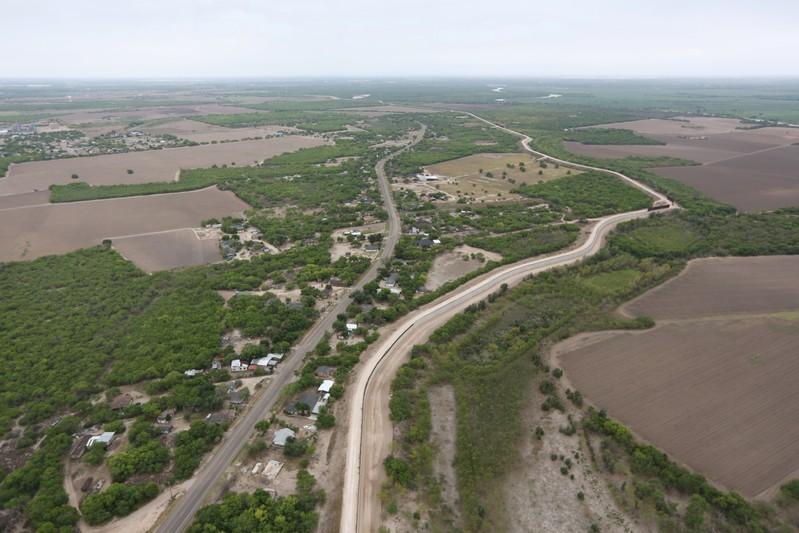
326,385
104,438
237,365
317,408
351,326
282,435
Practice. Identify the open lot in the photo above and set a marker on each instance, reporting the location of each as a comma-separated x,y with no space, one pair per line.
147,166
716,392
462,176
457,263
752,169
34,231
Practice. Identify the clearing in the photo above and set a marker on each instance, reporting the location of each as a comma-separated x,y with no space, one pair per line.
33,231
147,166
714,383
168,250
464,176
457,263
202,132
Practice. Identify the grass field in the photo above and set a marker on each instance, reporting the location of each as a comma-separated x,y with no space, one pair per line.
470,175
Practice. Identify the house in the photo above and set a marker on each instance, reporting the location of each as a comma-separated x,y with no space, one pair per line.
352,326
324,372
426,177
303,403
425,243
104,438
192,372
317,408
372,248
282,436
237,365
391,280
235,397
217,418
326,385
121,401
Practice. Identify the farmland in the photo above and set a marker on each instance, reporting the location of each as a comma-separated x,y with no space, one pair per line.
722,362
151,166
38,230
751,168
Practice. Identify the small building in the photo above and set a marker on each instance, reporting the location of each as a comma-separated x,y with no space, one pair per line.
372,247
352,326
272,469
326,385
237,365
391,280
216,364
324,372
302,404
217,418
192,372
282,436
104,438
121,401
436,241
235,397
425,243
165,416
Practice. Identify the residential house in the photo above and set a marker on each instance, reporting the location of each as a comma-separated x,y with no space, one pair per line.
326,385
104,438
325,372
282,436
352,326
237,365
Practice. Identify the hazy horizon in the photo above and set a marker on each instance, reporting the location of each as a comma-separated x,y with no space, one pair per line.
244,39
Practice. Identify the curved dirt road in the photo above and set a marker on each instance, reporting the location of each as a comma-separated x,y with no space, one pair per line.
370,433
205,482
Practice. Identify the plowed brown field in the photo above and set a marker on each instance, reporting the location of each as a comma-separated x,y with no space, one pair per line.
716,392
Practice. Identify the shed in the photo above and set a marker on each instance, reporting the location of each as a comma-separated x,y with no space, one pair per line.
351,326
282,435
104,438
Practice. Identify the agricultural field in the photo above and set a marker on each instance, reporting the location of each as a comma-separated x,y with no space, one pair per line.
168,250
33,231
722,363
151,166
752,168
201,132
487,177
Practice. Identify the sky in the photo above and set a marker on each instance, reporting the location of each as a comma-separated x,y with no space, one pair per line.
378,38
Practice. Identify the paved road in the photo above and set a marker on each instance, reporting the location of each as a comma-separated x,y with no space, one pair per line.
205,485
370,433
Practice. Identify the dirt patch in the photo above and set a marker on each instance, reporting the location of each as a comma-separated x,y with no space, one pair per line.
443,422
463,177
30,232
457,263
147,166
202,132
168,250
724,286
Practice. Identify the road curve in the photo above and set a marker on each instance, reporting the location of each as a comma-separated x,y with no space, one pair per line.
180,516
370,433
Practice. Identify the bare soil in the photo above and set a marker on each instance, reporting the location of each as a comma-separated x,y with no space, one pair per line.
34,231
148,166
443,422
455,264
724,286
169,250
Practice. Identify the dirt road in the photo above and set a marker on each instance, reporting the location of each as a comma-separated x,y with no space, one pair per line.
370,433
205,485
